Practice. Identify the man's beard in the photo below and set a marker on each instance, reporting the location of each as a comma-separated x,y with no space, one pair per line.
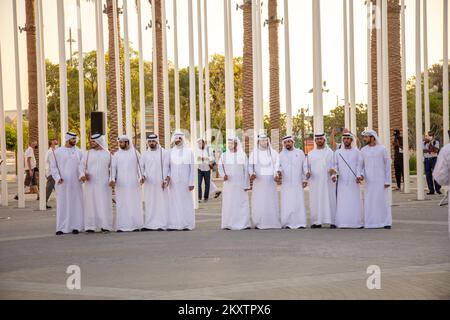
153,147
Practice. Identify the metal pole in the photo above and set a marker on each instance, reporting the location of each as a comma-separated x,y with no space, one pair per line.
352,70
317,65
404,105
4,165
445,74
426,84
287,63
128,107
20,159
207,91
176,72
155,72
81,79
369,67
419,149
62,68
346,84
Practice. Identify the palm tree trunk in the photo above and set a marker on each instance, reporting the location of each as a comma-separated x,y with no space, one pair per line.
112,93
395,75
159,24
30,28
273,23
247,76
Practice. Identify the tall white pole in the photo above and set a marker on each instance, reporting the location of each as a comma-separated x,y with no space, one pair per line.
128,107
207,87
419,149
287,63
20,159
62,68
379,71
346,85
404,104
201,93
369,67
141,80
317,65
192,93
101,75
4,165
81,79
352,69
426,84
445,75
176,72
165,77
155,72
226,69
117,69
42,101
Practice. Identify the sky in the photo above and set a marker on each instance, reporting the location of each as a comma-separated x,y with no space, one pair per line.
300,17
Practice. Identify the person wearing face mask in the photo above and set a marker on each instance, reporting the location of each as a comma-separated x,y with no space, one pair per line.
50,185
64,166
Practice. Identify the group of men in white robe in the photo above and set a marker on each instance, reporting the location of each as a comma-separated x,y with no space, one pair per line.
165,179
334,179
85,183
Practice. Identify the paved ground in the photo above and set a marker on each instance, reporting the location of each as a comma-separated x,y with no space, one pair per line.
208,263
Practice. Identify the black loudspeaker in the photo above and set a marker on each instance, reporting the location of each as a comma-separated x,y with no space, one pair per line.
97,123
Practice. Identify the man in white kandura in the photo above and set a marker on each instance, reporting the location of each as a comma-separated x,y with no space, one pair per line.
376,172
233,167
265,208
441,172
182,174
64,166
155,168
322,190
349,204
126,177
291,173
95,171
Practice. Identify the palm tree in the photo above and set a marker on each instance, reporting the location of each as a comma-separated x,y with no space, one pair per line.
274,69
159,24
247,76
112,93
30,28
395,76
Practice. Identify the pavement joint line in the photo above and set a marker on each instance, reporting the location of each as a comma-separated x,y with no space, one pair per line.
307,280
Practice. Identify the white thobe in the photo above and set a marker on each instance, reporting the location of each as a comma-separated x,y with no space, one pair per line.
235,203
155,168
265,206
376,170
181,206
64,164
349,203
441,172
322,190
97,193
292,165
126,173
